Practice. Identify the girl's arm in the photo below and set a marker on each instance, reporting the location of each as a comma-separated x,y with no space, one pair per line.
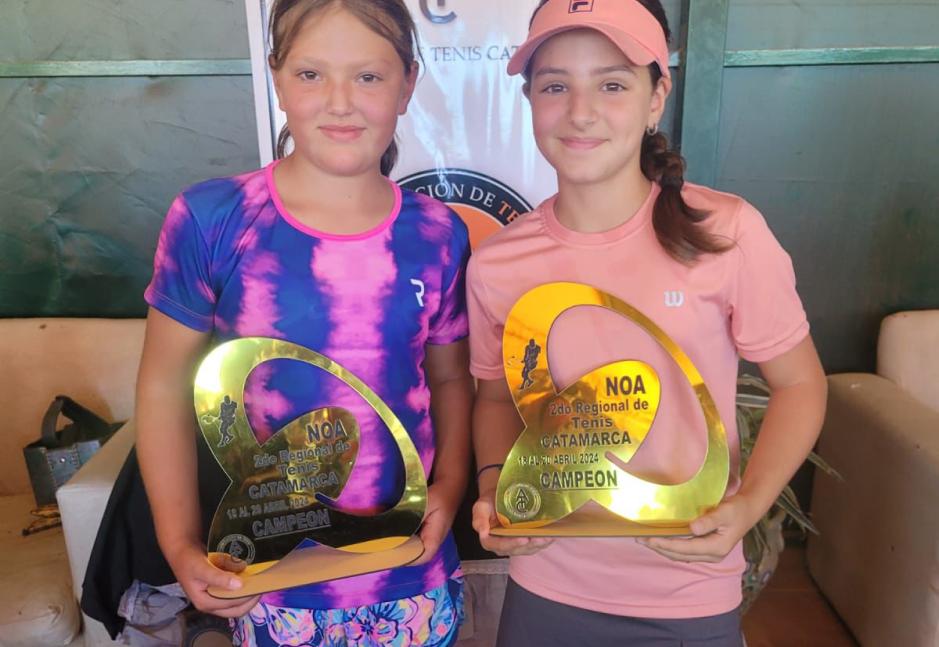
451,401
496,427
790,428
167,453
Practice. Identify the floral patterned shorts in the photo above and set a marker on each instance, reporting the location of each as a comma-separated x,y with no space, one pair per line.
428,620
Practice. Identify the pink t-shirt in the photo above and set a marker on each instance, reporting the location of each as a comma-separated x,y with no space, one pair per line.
739,303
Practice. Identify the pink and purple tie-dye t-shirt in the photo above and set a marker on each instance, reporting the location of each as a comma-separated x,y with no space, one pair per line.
233,261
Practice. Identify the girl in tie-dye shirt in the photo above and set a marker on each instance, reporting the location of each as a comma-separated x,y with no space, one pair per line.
322,250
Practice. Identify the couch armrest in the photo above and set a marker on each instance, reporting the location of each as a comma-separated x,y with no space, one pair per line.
82,502
877,559
908,353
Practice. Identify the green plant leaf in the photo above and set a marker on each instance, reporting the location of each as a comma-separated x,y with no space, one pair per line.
795,512
823,465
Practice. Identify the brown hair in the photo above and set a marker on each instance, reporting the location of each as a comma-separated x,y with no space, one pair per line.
390,19
675,221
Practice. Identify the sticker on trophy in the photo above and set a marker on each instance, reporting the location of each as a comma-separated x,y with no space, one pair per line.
567,474
284,491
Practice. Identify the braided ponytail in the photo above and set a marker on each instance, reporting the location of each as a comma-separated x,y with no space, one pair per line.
675,221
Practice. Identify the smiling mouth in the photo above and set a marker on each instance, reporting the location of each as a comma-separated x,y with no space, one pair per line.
581,143
342,133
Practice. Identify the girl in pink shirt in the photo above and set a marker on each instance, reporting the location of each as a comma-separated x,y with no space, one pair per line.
704,267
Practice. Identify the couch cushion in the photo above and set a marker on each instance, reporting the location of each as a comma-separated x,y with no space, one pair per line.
37,606
92,360
908,353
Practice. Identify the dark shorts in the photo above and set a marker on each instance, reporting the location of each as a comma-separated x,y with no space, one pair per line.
529,620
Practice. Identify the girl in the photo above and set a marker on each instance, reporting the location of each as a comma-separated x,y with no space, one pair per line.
323,250
704,266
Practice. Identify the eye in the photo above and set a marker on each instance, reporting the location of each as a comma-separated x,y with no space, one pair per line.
613,86
553,88
368,77
308,75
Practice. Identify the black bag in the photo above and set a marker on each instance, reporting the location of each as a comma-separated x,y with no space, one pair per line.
57,455
126,547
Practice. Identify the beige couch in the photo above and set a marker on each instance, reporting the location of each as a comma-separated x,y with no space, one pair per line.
95,362
877,558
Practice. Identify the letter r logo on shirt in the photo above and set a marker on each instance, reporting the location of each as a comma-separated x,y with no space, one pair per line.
581,6
421,289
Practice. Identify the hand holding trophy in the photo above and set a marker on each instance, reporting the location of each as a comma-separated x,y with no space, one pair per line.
285,490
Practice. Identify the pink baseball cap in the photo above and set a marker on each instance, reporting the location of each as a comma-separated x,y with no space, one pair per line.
627,23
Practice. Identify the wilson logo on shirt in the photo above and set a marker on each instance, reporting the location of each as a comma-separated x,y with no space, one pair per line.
674,298
484,203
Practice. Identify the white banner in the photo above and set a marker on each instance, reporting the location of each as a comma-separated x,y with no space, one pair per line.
467,138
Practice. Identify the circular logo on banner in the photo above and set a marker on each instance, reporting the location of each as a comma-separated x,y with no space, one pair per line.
485,204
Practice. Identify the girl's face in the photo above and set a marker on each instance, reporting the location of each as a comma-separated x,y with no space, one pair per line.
342,87
591,107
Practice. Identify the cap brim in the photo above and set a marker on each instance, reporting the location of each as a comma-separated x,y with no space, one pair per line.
636,53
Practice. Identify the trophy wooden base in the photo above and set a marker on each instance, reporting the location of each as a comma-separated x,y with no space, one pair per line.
318,564
593,522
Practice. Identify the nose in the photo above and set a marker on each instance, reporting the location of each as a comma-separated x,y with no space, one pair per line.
581,109
339,100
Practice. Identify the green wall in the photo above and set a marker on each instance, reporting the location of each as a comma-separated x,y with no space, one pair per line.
841,159
843,162
88,166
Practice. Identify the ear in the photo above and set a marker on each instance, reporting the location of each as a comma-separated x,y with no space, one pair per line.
526,90
659,97
410,82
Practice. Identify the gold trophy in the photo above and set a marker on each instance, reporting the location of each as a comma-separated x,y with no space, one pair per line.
567,473
285,490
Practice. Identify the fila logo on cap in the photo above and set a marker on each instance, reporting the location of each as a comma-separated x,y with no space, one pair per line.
581,6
